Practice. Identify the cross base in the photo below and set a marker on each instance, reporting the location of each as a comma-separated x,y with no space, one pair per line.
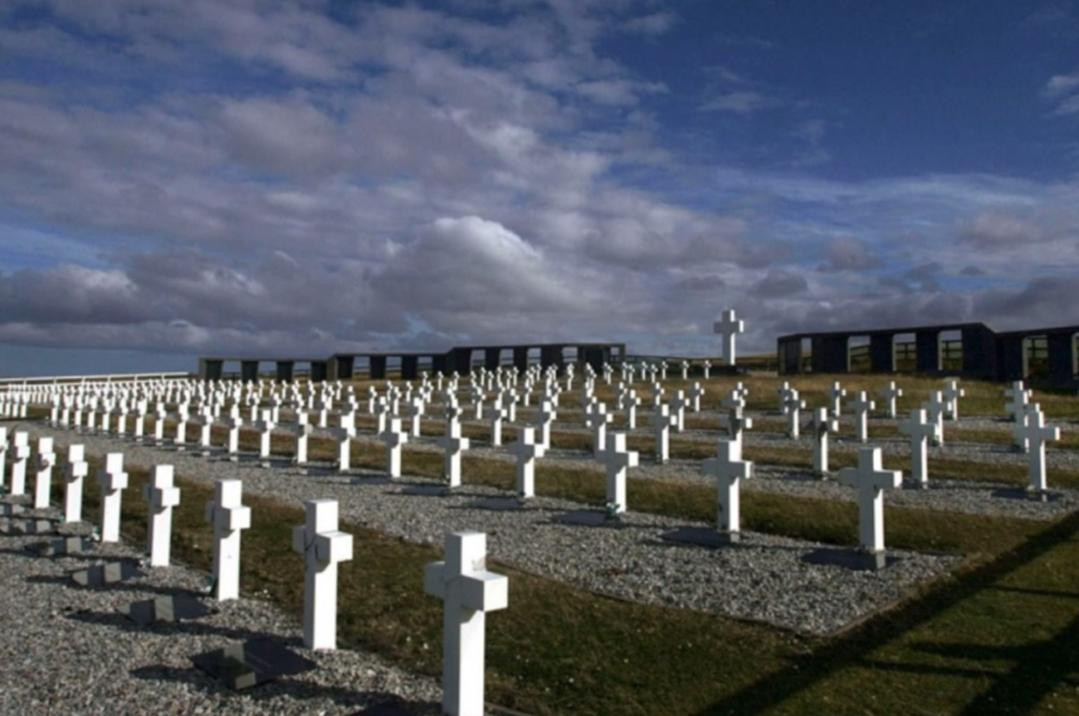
728,537
1037,495
873,561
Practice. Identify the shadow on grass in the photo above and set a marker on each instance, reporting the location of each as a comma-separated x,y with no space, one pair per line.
1018,690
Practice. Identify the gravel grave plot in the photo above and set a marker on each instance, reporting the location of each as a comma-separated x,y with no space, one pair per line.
799,585
965,496
66,649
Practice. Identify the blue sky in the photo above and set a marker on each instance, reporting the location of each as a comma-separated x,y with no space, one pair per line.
297,179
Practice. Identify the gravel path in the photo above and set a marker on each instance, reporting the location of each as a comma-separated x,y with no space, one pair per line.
790,583
66,649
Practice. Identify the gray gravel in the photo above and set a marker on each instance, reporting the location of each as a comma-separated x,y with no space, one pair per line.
790,583
65,649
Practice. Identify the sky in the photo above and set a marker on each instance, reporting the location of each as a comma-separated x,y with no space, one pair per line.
230,177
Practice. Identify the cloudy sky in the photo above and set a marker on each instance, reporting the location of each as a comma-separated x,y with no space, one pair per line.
237,177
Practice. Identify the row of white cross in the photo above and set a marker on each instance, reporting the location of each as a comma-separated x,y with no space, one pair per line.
467,589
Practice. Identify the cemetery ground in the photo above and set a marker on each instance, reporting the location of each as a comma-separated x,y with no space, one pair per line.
997,633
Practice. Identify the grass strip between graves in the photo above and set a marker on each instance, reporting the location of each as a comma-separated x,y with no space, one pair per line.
999,635
822,520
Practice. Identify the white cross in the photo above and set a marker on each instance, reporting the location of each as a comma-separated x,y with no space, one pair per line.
934,410
77,470
662,421
794,406
1019,397
823,424
632,402
617,459
861,406
46,459
685,370
890,394
344,435
161,496
836,394
526,449
468,591
707,369
870,480
729,327
728,468
302,430
496,416
266,425
1022,421
228,517
952,393
20,456
597,419
393,438
695,394
113,481
920,430
1037,433
680,403
453,444
736,422
546,416
323,547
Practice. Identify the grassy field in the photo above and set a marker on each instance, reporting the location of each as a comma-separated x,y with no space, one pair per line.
1001,635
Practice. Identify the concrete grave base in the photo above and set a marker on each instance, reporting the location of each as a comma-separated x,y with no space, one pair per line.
60,546
589,518
27,527
166,609
254,662
1022,493
103,575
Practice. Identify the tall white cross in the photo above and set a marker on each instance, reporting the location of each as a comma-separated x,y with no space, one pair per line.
77,470
836,394
228,516
920,430
113,481
20,453
861,406
823,424
662,422
870,480
632,402
795,405
526,449
546,416
323,547
46,459
1037,433
344,435
161,496
617,459
736,423
952,393
695,395
394,439
934,410
468,591
452,444
728,468
729,327
890,393
597,418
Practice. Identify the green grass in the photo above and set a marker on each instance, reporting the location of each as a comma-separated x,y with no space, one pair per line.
958,644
